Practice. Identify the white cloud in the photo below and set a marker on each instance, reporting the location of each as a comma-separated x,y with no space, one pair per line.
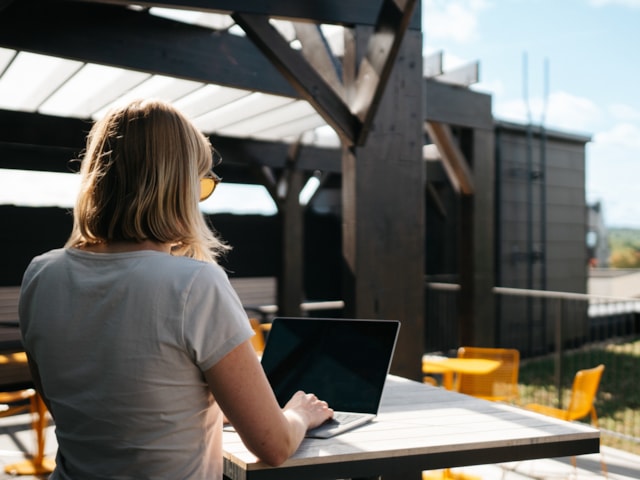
454,20
622,135
613,168
573,113
512,110
495,87
622,3
563,111
619,212
615,193
624,112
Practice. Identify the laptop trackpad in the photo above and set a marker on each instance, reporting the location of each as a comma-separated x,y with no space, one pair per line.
341,422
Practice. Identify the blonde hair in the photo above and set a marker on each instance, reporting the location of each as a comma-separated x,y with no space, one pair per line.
140,180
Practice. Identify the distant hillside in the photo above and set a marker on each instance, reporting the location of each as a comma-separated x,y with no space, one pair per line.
625,247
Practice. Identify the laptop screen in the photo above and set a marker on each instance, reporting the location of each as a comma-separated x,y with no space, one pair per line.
344,362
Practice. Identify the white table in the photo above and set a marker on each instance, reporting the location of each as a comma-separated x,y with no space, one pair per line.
421,427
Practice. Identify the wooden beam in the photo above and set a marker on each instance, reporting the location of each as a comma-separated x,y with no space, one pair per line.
4,4
435,198
315,50
304,78
249,151
375,68
452,158
338,12
137,40
457,106
151,44
32,141
38,158
39,129
323,179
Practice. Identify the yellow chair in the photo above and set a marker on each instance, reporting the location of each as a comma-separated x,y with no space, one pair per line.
12,403
582,403
447,474
499,385
258,340
20,401
428,379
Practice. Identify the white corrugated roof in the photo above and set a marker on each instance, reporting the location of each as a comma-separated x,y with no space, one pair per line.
68,88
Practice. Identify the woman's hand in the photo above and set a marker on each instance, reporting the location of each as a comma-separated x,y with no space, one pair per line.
312,410
242,390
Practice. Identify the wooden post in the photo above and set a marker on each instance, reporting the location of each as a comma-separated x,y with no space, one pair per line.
477,323
485,332
291,278
383,209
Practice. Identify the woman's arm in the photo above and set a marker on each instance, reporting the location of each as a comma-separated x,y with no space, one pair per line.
243,392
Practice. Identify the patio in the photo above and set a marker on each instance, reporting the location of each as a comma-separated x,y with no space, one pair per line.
16,438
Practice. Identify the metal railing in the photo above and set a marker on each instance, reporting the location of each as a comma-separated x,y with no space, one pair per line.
557,334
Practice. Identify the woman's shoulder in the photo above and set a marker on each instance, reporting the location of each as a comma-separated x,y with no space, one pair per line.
50,254
188,267
45,258
188,263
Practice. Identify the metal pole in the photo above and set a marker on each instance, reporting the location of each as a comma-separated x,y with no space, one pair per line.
529,206
558,349
543,196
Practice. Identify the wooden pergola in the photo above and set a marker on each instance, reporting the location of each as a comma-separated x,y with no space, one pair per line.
374,97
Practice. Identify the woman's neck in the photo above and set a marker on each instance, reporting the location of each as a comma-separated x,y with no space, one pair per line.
128,246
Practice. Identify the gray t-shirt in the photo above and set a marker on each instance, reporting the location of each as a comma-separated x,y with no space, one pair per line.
121,342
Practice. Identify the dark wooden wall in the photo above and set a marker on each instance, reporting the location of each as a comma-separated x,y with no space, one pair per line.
560,248
28,231
541,236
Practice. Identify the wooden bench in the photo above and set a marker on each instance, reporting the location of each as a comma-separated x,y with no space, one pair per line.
13,374
10,340
9,305
258,296
255,292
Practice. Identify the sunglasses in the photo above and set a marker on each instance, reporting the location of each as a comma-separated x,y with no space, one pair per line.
210,181
208,184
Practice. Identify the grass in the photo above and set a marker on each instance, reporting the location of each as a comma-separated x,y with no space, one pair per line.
618,399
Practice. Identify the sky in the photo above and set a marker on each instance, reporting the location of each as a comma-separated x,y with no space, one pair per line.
591,87
591,84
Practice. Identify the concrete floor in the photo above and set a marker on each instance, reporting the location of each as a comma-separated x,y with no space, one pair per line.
620,466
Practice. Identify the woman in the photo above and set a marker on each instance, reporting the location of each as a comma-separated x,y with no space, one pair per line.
135,338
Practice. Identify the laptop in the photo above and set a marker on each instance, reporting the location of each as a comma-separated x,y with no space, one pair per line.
344,362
